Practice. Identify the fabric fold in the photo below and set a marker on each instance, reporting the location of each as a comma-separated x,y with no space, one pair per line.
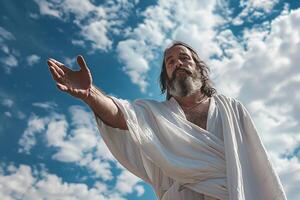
161,138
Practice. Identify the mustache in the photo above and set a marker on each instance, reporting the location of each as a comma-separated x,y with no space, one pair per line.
188,71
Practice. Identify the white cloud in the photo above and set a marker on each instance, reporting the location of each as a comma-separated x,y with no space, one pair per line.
5,49
289,170
5,35
35,125
76,142
254,9
7,102
94,22
136,66
20,115
71,63
96,33
9,62
48,8
26,183
263,72
16,184
78,43
45,105
8,114
139,190
33,59
9,59
261,67
166,21
33,15
127,183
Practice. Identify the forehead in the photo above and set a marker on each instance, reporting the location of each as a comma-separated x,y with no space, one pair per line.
177,49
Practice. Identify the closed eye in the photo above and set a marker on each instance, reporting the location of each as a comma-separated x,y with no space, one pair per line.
170,62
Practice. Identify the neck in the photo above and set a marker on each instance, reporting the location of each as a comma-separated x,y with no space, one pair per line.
190,100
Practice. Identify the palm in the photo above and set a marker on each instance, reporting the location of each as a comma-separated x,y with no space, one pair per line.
76,83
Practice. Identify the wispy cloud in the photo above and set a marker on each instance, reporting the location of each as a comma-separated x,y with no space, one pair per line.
5,35
48,105
7,102
9,59
9,62
32,59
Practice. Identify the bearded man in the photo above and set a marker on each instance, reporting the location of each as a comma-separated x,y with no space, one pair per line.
195,145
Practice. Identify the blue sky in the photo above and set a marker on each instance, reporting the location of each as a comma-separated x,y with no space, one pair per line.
49,145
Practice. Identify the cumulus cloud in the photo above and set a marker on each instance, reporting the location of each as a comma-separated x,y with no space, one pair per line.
259,67
266,77
35,125
126,183
78,142
254,9
95,22
166,21
24,182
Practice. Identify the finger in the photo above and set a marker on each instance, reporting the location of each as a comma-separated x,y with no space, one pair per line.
62,87
61,65
54,74
82,64
55,66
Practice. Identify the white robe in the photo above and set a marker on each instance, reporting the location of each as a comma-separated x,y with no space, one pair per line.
183,161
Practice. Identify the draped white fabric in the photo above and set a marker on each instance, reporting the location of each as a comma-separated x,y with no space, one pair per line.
161,139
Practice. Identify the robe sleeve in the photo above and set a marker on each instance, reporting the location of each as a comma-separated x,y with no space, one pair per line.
123,146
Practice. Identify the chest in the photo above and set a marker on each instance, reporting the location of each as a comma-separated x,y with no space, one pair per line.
198,115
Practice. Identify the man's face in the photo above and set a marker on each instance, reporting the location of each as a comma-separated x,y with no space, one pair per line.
184,77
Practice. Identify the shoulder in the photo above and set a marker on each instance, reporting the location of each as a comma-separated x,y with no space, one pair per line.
232,102
228,99
148,103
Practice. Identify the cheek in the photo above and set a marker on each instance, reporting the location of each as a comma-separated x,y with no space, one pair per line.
192,65
169,71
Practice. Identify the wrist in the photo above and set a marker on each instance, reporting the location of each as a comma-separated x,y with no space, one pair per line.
93,95
90,95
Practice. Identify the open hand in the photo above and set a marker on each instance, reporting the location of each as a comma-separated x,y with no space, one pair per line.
76,83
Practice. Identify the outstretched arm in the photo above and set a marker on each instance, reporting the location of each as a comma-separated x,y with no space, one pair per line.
79,84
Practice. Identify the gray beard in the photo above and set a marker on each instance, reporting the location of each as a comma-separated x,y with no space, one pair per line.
184,86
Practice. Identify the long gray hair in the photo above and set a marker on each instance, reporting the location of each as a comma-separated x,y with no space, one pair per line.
206,88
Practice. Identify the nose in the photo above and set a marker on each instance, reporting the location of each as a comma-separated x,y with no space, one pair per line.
178,63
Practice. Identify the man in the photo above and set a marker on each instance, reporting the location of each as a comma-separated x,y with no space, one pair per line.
194,145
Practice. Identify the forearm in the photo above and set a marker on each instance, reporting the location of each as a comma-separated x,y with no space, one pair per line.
105,108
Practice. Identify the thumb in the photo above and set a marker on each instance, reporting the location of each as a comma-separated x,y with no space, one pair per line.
82,63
